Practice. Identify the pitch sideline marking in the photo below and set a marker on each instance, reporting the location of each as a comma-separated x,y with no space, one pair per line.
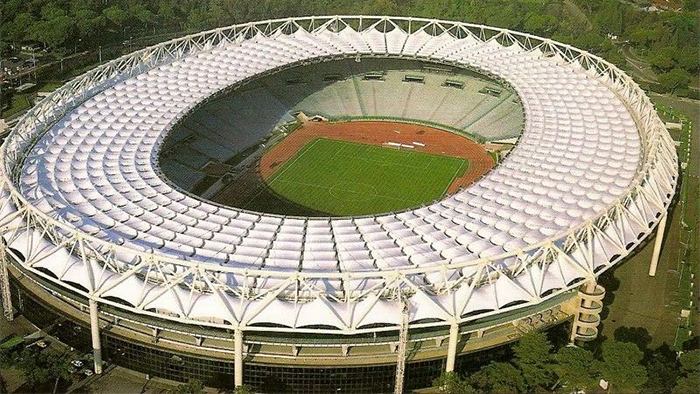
301,153
454,176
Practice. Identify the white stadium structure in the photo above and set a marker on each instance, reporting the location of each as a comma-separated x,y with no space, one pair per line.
177,286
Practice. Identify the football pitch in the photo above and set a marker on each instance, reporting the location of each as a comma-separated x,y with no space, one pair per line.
344,178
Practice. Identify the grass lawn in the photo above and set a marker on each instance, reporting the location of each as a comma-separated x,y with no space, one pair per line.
19,102
346,178
50,86
656,303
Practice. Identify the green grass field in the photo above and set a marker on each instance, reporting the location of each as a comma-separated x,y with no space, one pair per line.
345,178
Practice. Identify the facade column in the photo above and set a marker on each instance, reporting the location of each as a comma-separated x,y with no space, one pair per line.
452,347
5,284
95,330
238,357
660,228
401,350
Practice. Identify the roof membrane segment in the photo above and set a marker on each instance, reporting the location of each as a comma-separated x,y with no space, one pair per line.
96,169
536,164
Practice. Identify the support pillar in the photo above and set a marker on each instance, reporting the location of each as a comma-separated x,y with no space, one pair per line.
238,358
5,285
452,347
401,351
660,228
95,331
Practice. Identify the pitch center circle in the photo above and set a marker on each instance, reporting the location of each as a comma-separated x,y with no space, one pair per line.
354,191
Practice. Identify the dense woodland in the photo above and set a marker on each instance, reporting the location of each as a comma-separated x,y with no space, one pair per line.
541,365
668,40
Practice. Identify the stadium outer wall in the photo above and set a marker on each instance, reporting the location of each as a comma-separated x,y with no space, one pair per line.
365,364
184,348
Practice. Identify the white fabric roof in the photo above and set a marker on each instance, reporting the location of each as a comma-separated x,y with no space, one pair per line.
96,169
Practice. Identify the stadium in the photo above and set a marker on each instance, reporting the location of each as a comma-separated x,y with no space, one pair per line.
352,203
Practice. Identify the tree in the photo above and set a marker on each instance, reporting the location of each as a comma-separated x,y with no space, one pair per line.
642,37
54,33
498,378
16,31
115,15
243,389
687,384
532,356
42,367
662,59
55,29
662,368
167,13
621,366
6,358
140,12
452,383
691,5
674,79
637,335
191,387
381,7
539,23
574,367
688,58
690,361
198,18
89,22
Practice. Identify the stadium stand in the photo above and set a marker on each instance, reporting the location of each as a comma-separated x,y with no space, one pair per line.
221,128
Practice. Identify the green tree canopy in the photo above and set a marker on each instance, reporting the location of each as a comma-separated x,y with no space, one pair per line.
533,357
191,387
498,378
41,367
140,13
688,58
690,361
55,28
621,366
89,22
452,383
244,389
687,384
539,23
574,367
198,19
16,30
662,368
643,36
674,79
115,15
662,59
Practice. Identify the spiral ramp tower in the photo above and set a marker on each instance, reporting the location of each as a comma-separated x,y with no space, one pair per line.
92,230
587,312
